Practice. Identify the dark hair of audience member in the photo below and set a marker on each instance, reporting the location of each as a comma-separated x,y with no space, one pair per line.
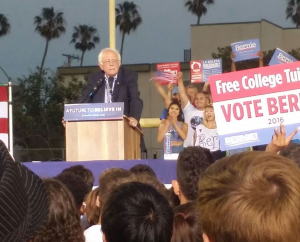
63,224
142,169
292,151
109,180
175,102
92,211
83,172
192,161
153,181
186,224
77,186
137,212
250,197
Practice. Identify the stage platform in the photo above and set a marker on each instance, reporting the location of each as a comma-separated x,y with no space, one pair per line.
164,169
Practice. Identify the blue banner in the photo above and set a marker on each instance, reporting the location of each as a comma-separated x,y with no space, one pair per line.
253,137
93,111
211,67
246,50
281,57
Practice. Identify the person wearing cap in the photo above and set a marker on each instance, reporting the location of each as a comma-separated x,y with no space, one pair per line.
24,205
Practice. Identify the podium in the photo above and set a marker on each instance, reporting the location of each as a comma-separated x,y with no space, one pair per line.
99,131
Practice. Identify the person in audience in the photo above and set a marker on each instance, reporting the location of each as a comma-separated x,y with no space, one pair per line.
292,151
153,181
172,95
250,197
206,134
142,169
78,188
63,224
137,212
92,211
193,116
109,180
279,140
83,172
191,92
191,163
186,224
24,205
175,126
88,177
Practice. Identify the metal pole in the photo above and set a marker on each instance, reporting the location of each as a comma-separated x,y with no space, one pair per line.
112,24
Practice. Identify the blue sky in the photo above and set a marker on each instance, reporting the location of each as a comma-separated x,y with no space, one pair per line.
162,37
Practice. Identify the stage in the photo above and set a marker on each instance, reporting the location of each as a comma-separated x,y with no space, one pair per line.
164,169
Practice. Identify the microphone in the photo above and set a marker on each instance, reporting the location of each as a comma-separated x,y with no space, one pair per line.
91,93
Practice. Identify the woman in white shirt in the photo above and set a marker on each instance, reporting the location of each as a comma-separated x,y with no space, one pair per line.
206,134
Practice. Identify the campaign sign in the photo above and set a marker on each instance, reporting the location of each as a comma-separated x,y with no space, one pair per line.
202,70
93,111
211,67
196,71
250,104
246,50
281,57
172,69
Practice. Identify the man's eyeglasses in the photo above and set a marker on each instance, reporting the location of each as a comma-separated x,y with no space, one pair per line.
110,61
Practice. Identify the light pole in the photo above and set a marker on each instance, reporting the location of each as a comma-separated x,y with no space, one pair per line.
112,24
10,115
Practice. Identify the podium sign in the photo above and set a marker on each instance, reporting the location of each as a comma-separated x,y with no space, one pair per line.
93,111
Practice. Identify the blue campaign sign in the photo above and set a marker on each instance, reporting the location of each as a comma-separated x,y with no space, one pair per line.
246,50
281,57
211,67
93,111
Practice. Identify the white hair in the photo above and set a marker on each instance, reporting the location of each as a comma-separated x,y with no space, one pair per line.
108,49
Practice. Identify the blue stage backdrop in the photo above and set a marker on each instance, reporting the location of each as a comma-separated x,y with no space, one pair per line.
164,169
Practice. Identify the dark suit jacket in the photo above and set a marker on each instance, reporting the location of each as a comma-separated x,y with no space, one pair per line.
125,90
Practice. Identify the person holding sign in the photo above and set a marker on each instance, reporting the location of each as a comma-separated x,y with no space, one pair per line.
174,125
193,116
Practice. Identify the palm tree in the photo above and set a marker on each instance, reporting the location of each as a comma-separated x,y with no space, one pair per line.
128,19
293,11
198,7
4,25
50,25
87,37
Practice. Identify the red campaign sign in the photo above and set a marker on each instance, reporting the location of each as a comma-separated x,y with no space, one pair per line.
254,82
196,71
172,68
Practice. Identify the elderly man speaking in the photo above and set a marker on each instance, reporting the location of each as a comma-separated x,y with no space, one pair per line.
115,84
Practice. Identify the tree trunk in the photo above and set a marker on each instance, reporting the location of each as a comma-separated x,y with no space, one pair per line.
82,58
44,57
198,20
122,43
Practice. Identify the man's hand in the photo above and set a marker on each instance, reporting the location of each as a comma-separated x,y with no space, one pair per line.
260,54
179,75
232,56
133,122
63,122
279,141
170,86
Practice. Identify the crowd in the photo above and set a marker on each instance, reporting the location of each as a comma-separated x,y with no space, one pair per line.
189,115
251,196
